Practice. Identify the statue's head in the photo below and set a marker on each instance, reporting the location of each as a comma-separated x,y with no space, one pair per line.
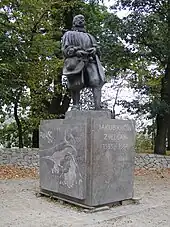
79,21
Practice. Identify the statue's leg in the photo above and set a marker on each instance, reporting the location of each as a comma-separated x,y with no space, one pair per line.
76,99
97,97
94,82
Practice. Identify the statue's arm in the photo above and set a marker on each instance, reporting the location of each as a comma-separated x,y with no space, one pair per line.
95,46
68,49
98,52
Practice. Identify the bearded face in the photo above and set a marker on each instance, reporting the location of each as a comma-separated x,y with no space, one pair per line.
79,21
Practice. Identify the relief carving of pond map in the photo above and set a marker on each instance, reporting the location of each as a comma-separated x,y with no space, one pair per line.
62,159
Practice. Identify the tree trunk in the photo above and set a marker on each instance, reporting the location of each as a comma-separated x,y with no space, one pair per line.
113,115
19,126
35,138
160,141
153,134
168,75
162,120
35,111
168,137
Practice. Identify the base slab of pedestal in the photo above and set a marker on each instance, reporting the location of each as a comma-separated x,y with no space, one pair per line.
88,209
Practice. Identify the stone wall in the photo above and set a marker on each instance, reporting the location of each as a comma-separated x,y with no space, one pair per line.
151,161
29,158
26,157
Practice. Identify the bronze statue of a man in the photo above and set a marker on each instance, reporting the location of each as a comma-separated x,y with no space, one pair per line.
81,64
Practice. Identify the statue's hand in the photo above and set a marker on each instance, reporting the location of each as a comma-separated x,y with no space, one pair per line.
71,52
92,51
81,53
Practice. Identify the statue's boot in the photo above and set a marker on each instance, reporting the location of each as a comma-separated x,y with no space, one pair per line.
76,100
97,97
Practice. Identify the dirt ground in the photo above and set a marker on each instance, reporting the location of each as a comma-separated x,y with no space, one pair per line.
20,207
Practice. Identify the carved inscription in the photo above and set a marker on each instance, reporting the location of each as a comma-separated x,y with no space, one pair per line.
114,137
114,146
47,136
125,128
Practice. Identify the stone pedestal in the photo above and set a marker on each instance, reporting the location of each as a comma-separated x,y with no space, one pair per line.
87,158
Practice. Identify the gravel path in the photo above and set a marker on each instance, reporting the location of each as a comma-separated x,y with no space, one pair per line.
19,207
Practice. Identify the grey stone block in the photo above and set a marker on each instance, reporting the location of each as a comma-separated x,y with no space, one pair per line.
112,160
63,151
88,114
87,157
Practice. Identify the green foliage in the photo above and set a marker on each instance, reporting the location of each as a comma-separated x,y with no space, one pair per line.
146,33
31,60
28,63
143,143
9,134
